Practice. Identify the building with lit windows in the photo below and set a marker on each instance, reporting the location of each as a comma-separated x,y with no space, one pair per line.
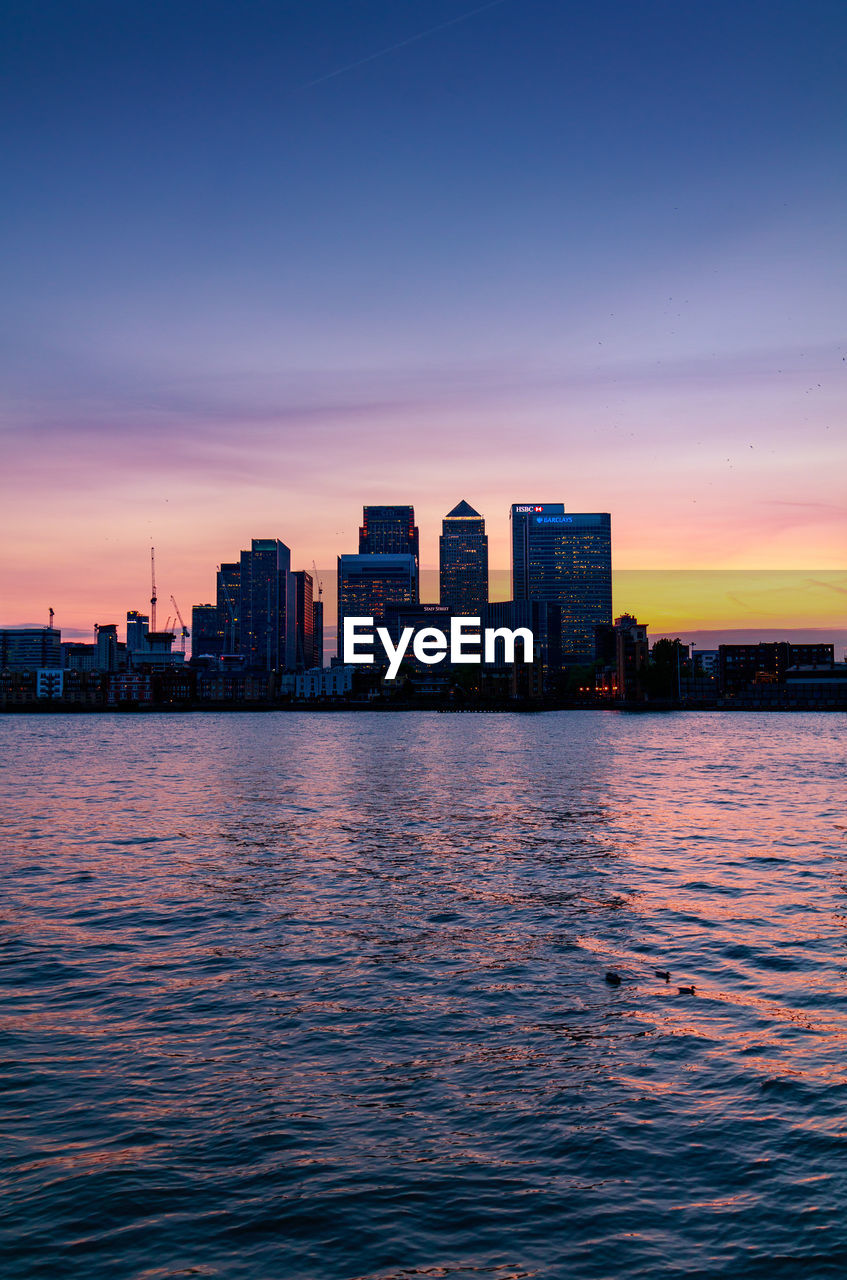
566,559
463,561
30,648
389,531
228,605
263,613
369,584
301,628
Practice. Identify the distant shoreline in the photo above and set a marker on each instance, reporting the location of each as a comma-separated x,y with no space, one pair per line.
321,708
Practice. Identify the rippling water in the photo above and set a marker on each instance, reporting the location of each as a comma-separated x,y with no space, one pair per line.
324,996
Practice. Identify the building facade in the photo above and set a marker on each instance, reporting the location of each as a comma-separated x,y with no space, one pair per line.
137,626
30,648
369,584
463,561
264,603
206,636
565,559
389,531
301,622
318,632
228,603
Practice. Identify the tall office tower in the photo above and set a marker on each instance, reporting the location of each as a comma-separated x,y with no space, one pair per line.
567,560
463,561
206,638
228,604
263,610
301,622
137,626
318,633
106,643
389,531
368,583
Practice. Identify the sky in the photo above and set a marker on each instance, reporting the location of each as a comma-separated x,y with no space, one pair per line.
264,262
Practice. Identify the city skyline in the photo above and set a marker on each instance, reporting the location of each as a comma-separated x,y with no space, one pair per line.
257,260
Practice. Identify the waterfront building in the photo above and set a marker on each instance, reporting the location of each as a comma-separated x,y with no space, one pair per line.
705,662
544,619
417,616
741,665
228,604
49,682
30,648
106,643
301,622
389,531
368,584
463,561
632,656
157,653
264,601
325,682
137,626
318,633
79,657
565,559
206,634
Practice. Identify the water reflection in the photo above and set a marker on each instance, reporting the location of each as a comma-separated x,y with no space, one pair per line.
325,996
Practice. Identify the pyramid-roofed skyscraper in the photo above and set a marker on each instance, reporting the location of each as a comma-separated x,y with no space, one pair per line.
463,559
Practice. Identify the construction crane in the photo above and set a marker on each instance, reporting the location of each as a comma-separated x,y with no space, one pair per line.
317,580
185,632
153,596
52,615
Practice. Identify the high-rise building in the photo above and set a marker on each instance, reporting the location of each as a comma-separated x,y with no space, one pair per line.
106,641
565,559
206,637
228,603
318,633
368,583
301,622
389,531
264,600
137,626
463,561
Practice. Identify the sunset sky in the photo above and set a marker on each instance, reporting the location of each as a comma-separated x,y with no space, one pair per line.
265,262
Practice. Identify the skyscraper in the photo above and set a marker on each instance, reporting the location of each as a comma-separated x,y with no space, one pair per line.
463,561
228,603
263,613
367,584
567,560
206,639
318,633
137,626
301,622
389,531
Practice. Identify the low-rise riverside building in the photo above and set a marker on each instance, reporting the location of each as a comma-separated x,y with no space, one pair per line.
325,682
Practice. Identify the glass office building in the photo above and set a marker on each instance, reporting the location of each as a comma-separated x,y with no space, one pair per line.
265,570
228,604
301,622
565,559
389,531
463,561
368,584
